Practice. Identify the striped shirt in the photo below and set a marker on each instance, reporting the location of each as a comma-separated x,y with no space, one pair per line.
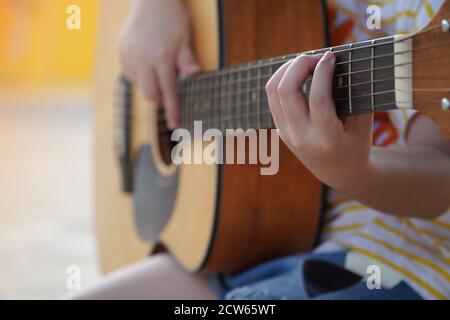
416,251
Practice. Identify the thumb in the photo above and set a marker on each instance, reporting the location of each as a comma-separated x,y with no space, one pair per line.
186,62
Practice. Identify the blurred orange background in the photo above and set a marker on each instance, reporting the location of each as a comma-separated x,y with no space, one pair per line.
46,147
38,49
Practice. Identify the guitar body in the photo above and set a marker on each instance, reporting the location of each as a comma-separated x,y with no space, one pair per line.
213,218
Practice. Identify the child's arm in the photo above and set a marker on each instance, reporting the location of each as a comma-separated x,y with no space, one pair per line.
405,181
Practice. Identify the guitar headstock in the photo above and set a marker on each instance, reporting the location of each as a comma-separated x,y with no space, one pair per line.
431,69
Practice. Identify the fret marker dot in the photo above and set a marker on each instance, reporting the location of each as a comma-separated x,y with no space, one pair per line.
445,104
445,25
340,81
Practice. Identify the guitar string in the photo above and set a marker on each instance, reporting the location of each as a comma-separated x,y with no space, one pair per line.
217,124
161,110
253,90
366,110
306,92
363,71
336,76
276,60
248,79
373,108
259,89
361,110
372,69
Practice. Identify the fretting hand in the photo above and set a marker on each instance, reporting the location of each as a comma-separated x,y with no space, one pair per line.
336,151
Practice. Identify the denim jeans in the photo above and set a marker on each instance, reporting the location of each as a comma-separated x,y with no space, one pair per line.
282,279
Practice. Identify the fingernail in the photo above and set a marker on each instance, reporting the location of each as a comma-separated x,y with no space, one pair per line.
194,64
329,56
193,68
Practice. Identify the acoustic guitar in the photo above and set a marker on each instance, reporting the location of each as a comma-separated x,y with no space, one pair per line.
225,218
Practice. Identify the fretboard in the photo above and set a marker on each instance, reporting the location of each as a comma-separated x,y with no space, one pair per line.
235,97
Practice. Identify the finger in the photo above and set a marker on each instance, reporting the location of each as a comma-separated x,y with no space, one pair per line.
168,83
148,85
129,72
127,66
292,100
321,104
274,103
361,125
186,62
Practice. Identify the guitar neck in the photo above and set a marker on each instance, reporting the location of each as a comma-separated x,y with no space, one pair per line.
365,81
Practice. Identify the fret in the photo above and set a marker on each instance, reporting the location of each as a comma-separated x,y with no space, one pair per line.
222,105
217,101
341,83
372,98
227,93
263,75
252,96
229,102
271,72
238,111
207,115
216,107
361,70
207,104
226,107
246,99
209,101
350,109
386,101
219,97
194,106
251,86
258,103
183,103
189,104
264,108
234,98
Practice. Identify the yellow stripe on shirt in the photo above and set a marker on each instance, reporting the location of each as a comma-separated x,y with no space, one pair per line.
424,231
422,283
442,224
428,9
349,227
410,240
408,254
407,13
